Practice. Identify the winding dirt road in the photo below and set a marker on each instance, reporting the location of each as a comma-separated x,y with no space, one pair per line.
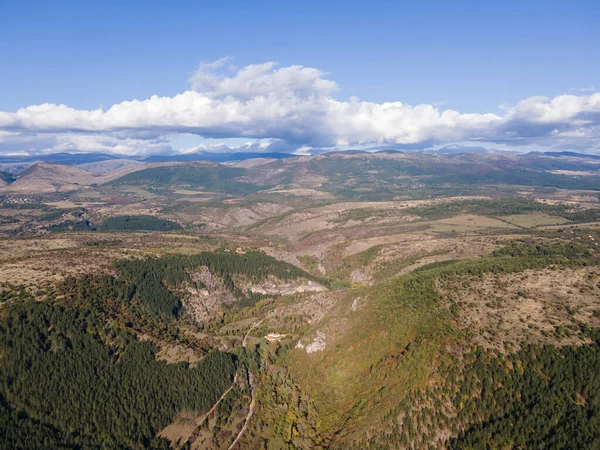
200,421
250,411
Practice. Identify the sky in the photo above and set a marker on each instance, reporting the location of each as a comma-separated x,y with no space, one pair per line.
151,77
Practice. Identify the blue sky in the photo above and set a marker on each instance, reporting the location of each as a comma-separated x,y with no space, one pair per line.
468,57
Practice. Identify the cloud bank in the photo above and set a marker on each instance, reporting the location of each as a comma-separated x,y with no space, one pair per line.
292,108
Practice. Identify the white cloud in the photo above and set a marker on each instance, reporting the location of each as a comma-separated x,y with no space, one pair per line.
46,143
293,107
250,147
260,80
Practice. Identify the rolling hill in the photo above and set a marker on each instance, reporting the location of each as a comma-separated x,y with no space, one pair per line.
48,177
203,175
349,174
109,165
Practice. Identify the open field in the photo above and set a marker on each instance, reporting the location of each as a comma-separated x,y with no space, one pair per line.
534,219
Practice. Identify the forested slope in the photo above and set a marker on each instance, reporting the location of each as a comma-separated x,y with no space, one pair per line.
74,372
151,279
400,367
69,380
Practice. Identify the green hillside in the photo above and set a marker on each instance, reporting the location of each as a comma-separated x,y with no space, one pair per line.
138,223
70,381
398,351
214,177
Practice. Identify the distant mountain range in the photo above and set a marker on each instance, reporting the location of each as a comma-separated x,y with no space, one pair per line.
353,173
98,162
216,157
77,159
85,158
572,155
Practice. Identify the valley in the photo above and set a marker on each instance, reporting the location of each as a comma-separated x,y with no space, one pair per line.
416,300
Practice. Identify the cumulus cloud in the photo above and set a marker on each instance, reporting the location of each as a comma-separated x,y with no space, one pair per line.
260,80
293,107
